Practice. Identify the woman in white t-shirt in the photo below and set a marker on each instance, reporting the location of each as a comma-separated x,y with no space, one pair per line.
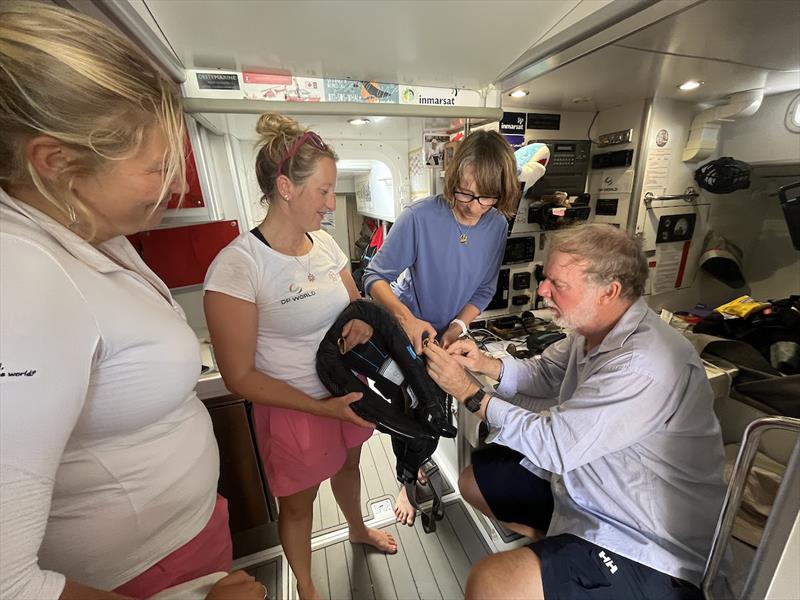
270,296
109,466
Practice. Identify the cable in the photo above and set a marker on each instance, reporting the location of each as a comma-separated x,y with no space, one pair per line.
589,131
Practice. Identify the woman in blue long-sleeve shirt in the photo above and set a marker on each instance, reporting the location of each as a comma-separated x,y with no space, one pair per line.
437,269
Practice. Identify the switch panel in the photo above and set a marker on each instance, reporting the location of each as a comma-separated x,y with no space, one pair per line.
521,281
616,137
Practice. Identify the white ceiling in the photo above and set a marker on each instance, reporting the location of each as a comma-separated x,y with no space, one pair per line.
425,42
731,45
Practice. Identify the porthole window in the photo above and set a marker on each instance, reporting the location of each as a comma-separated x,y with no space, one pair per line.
793,115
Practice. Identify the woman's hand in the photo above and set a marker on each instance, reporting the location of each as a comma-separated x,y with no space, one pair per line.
448,374
451,335
354,333
238,586
415,330
338,407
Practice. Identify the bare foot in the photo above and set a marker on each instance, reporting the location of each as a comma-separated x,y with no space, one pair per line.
307,591
376,538
403,510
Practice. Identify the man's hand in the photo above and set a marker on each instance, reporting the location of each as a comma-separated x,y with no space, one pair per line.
448,374
467,354
354,333
415,330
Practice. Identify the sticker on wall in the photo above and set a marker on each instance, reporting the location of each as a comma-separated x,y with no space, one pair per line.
513,122
434,96
662,138
516,141
433,143
657,170
616,182
306,89
371,92
266,86
218,81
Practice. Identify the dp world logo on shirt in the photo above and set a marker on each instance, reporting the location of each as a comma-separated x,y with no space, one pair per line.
296,293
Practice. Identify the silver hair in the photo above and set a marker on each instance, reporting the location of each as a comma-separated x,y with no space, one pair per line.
608,254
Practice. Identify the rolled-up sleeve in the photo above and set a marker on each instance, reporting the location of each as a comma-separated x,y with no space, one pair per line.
399,252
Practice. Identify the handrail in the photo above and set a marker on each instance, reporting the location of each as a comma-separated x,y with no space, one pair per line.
689,195
733,496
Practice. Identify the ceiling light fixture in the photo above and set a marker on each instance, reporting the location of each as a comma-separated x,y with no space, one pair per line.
690,85
519,93
358,121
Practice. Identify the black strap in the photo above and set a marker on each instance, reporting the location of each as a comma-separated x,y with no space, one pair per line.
257,232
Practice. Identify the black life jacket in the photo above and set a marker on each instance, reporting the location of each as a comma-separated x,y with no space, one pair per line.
410,407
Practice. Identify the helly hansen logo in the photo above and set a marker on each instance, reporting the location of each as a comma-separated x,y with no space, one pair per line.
608,562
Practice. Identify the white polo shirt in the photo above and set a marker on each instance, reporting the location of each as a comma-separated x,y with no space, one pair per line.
108,460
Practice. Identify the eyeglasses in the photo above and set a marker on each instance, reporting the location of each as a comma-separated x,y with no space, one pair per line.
308,136
466,198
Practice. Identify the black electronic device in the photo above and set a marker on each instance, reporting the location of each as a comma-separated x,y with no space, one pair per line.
500,298
611,160
519,250
521,281
540,340
551,215
567,169
606,207
520,300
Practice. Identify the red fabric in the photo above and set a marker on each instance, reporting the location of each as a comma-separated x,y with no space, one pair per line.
376,241
181,256
210,551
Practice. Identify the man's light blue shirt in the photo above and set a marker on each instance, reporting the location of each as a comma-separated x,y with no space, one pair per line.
631,445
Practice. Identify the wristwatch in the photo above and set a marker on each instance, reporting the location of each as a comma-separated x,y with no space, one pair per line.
473,403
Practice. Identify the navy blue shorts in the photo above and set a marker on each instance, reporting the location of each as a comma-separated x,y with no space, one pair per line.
572,568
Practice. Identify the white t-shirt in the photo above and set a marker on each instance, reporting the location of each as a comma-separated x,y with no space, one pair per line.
108,460
293,313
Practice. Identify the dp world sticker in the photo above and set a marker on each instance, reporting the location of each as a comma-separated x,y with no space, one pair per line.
662,138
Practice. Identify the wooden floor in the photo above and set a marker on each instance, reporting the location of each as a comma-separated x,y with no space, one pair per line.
426,566
379,486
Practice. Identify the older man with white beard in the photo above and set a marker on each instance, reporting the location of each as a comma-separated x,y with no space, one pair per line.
613,454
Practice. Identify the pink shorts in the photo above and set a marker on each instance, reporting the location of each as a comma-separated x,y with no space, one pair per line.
210,551
300,450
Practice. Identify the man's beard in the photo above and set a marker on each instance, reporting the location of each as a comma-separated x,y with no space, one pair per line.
578,318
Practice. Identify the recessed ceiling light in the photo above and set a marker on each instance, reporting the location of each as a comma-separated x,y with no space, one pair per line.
690,85
358,121
519,93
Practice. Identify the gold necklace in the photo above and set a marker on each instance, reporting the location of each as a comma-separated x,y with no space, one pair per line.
462,239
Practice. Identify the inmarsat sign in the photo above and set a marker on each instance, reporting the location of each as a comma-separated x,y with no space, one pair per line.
513,122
